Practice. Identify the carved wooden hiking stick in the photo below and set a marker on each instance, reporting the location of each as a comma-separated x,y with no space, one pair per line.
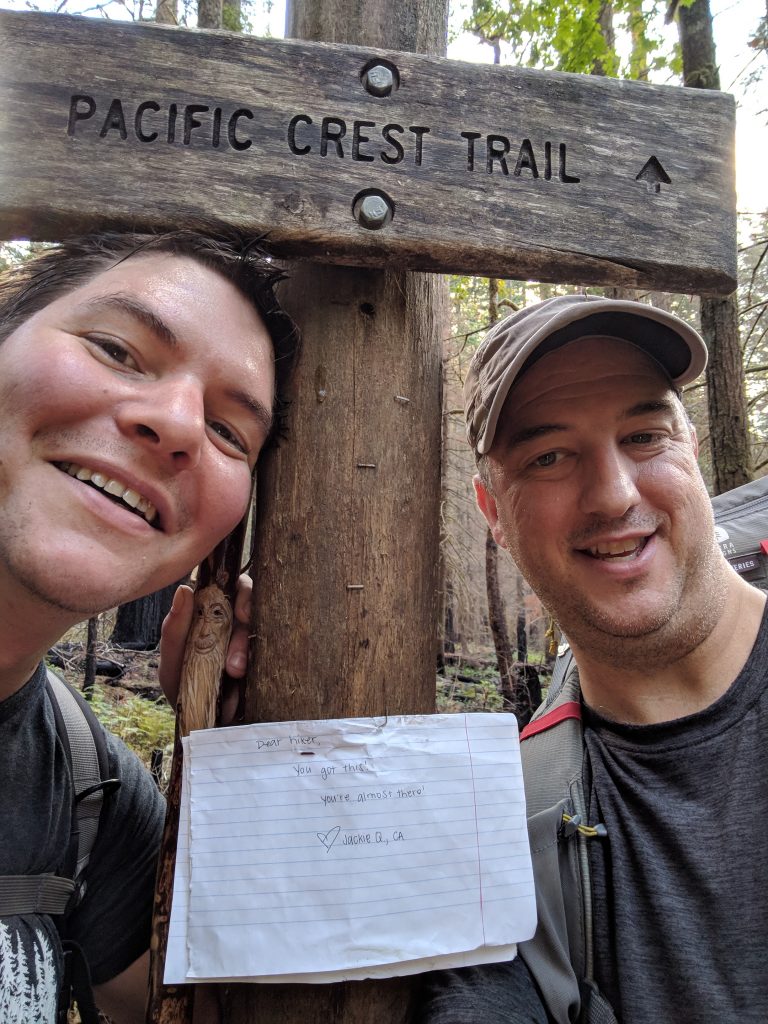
197,707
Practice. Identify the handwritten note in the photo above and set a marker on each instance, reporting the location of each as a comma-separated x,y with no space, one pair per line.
328,850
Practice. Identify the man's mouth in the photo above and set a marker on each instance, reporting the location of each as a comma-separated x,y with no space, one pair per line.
118,492
618,550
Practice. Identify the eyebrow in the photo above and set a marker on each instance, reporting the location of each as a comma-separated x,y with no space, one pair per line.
261,413
138,311
532,433
527,434
655,405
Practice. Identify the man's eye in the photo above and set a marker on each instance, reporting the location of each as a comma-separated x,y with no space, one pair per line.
642,437
227,435
114,351
547,459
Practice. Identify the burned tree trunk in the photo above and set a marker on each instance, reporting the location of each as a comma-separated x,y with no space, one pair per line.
497,622
137,626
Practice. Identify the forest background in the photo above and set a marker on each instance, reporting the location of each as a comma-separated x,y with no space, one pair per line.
493,638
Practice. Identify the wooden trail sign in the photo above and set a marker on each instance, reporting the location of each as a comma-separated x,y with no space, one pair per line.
365,157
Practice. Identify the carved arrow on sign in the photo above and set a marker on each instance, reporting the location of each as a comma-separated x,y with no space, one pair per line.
653,174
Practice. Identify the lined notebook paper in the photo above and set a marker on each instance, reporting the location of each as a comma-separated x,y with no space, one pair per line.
353,848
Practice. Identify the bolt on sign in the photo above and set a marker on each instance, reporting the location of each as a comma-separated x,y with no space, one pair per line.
366,157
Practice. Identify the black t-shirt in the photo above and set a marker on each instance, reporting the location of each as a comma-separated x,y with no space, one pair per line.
112,924
681,886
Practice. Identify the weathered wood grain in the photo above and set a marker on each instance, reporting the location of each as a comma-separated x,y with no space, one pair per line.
346,542
491,170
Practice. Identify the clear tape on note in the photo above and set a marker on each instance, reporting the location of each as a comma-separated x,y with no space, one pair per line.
354,848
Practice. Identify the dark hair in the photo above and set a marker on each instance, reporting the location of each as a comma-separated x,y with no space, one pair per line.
239,258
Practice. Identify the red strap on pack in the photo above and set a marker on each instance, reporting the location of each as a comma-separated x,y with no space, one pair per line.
570,709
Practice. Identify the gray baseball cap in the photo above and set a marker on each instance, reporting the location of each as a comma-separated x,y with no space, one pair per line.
514,344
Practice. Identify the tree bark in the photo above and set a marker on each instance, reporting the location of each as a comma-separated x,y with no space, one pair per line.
497,612
89,676
165,12
347,526
728,421
497,623
209,13
522,635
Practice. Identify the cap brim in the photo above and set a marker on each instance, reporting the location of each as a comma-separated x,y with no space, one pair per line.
675,346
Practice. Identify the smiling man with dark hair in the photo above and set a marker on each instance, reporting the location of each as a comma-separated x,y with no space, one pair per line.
140,377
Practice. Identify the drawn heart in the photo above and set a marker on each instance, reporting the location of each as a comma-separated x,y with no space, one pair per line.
329,838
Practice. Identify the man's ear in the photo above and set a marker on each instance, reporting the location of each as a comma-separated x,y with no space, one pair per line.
487,505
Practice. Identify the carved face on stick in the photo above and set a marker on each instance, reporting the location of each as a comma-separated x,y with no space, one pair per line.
204,659
212,622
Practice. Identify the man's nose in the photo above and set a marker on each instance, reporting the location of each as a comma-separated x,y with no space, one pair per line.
168,418
609,486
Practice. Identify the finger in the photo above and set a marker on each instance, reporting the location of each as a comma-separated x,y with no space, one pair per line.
237,652
173,637
243,599
230,701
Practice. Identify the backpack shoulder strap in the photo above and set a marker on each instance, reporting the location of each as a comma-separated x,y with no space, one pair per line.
84,741
552,743
552,751
86,752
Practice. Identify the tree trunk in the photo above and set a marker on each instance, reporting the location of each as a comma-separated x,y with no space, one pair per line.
89,676
209,14
497,622
605,21
522,635
137,626
638,61
728,422
165,12
346,534
497,612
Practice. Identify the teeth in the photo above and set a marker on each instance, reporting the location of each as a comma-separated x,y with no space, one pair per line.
132,498
110,486
615,549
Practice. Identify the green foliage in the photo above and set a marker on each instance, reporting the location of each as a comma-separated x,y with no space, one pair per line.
456,695
576,36
143,725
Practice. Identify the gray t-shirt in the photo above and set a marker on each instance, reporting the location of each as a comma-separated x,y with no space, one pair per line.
680,887
112,923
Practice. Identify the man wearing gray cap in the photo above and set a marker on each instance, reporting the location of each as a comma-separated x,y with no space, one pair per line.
646,776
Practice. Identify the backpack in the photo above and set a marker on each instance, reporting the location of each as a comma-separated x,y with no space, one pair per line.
560,955
83,741
741,530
